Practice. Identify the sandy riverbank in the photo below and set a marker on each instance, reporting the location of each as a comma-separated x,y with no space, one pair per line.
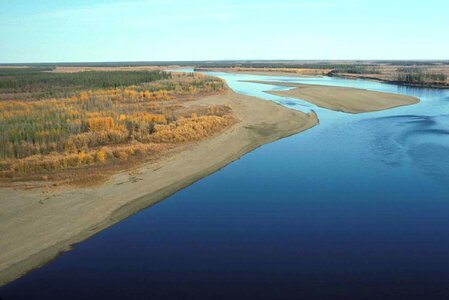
36,225
350,100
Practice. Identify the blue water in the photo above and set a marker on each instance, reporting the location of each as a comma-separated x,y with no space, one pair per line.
355,208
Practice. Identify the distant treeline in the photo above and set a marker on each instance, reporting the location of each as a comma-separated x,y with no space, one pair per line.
281,65
355,69
413,62
47,84
22,71
418,76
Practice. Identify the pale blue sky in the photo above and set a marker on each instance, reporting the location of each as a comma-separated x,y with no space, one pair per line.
145,30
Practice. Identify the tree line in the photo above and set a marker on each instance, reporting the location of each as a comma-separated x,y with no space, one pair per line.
42,83
419,76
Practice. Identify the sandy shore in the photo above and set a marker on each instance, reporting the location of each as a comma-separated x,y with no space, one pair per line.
36,225
350,100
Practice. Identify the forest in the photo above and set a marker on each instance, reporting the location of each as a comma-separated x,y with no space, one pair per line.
420,76
42,83
100,118
354,69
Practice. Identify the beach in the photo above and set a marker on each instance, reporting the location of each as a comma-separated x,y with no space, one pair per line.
37,224
349,100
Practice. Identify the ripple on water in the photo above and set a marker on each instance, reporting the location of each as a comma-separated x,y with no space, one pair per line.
433,160
417,140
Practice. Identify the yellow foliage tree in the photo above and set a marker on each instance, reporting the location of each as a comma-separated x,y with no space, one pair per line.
100,124
100,156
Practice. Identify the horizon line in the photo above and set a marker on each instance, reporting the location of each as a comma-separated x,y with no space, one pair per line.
220,60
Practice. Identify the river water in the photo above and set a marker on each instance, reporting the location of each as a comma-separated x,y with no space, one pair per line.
355,208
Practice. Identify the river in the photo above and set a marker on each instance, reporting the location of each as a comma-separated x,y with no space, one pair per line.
355,208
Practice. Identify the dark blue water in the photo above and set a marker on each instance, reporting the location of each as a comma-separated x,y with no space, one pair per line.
356,208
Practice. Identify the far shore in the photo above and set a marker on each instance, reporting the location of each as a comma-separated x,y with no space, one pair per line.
349,100
311,72
37,224
304,73
377,78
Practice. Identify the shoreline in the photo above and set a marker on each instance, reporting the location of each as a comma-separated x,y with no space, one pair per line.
67,216
400,83
329,74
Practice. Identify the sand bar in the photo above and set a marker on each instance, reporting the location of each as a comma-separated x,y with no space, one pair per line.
350,100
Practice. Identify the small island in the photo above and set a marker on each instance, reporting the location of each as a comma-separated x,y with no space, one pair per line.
349,100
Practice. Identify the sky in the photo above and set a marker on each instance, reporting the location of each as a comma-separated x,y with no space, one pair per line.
162,30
